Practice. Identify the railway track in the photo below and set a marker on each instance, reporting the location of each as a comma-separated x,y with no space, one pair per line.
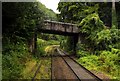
61,71
65,68
78,70
43,70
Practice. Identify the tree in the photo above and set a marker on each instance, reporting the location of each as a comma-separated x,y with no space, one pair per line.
117,5
20,19
76,13
114,16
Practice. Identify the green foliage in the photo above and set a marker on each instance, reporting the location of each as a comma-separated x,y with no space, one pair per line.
115,35
88,19
50,49
81,53
117,13
48,13
108,38
111,55
90,23
24,18
82,50
13,58
63,44
109,61
40,47
106,61
90,62
98,48
114,17
105,13
97,38
68,44
53,42
76,11
103,35
103,39
49,37
19,22
44,46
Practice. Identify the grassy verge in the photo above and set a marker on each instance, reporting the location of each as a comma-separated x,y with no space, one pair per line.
106,62
32,66
14,57
44,71
46,48
18,63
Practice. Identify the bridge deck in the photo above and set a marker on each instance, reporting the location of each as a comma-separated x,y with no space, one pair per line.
58,27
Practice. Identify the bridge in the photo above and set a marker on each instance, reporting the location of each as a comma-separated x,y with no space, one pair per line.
54,27
60,28
61,62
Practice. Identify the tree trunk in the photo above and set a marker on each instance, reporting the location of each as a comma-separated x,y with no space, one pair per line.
114,17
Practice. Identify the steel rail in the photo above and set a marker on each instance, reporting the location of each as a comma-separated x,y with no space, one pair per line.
82,66
70,67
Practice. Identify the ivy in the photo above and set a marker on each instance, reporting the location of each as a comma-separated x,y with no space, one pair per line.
91,23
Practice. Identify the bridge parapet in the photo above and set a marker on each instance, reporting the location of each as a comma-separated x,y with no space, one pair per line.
60,26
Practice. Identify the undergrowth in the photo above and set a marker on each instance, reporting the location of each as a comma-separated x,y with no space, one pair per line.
107,62
46,47
17,61
14,57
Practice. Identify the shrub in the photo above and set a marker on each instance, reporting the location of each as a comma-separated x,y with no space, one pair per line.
44,47
81,53
40,47
53,42
90,62
82,50
109,61
13,59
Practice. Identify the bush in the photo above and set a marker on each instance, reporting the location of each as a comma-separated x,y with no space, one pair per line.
81,53
90,62
107,38
40,47
106,61
82,50
110,61
44,47
91,23
13,59
53,42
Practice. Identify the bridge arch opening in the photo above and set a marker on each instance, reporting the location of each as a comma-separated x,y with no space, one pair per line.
68,30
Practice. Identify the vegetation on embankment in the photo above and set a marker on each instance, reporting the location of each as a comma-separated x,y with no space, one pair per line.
99,46
46,48
107,62
98,49
19,22
40,60
13,59
37,69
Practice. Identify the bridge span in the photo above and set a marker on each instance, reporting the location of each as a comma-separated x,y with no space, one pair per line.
60,28
55,27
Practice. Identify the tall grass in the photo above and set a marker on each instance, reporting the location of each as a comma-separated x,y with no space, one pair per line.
14,57
107,62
